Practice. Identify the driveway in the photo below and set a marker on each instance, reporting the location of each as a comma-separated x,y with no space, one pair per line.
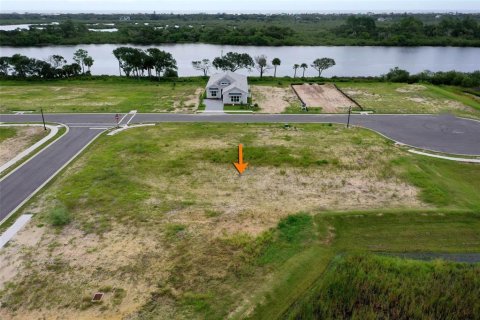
213,105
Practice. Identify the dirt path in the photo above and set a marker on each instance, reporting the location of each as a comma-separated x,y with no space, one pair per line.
25,137
326,96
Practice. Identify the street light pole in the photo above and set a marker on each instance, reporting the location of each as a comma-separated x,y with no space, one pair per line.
43,119
349,113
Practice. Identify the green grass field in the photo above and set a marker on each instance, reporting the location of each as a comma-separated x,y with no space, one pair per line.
384,97
110,95
173,231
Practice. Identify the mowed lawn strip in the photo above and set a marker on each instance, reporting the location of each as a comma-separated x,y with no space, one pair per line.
110,95
172,229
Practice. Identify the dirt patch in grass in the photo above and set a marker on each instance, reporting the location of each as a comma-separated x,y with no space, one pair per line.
273,99
326,96
411,88
23,138
70,266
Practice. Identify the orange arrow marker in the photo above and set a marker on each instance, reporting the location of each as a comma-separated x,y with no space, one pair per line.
240,165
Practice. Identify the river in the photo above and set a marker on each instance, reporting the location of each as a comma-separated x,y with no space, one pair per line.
351,61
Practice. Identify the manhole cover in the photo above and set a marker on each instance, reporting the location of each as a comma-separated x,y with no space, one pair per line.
97,296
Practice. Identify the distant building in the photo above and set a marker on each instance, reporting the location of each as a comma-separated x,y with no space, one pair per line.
230,87
124,18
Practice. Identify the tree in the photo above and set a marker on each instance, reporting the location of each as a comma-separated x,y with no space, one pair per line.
20,64
304,66
88,62
79,57
45,69
276,62
233,61
261,64
295,67
203,65
67,28
163,61
323,64
397,75
57,61
4,65
118,53
71,70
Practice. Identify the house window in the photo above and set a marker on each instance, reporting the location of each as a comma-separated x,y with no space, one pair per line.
235,99
224,83
213,93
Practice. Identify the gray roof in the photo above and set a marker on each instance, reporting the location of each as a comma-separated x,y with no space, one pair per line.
236,81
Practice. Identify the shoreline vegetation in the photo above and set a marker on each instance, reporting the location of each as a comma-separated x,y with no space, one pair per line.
433,29
158,65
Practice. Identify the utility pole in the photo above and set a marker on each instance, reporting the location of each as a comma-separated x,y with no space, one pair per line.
349,113
43,119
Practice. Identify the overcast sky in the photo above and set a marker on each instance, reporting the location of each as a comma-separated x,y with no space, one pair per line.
237,5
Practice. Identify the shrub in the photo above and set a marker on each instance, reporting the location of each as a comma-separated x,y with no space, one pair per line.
59,217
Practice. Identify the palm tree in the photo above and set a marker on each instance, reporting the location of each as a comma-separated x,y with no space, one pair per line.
295,67
276,62
304,66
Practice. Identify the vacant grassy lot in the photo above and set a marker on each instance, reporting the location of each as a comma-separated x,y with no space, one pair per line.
159,220
415,98
111,95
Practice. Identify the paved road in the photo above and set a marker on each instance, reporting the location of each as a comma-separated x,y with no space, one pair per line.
22,183
437,133
443,133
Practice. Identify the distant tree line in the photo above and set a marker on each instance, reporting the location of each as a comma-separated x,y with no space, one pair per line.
55,66
275,30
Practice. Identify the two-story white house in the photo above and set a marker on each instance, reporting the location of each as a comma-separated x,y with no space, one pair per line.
230,87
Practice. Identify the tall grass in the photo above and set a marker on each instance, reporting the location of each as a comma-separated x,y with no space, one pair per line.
374,287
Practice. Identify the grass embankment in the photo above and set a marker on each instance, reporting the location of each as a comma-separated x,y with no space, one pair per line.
384,97
170,229
109,95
